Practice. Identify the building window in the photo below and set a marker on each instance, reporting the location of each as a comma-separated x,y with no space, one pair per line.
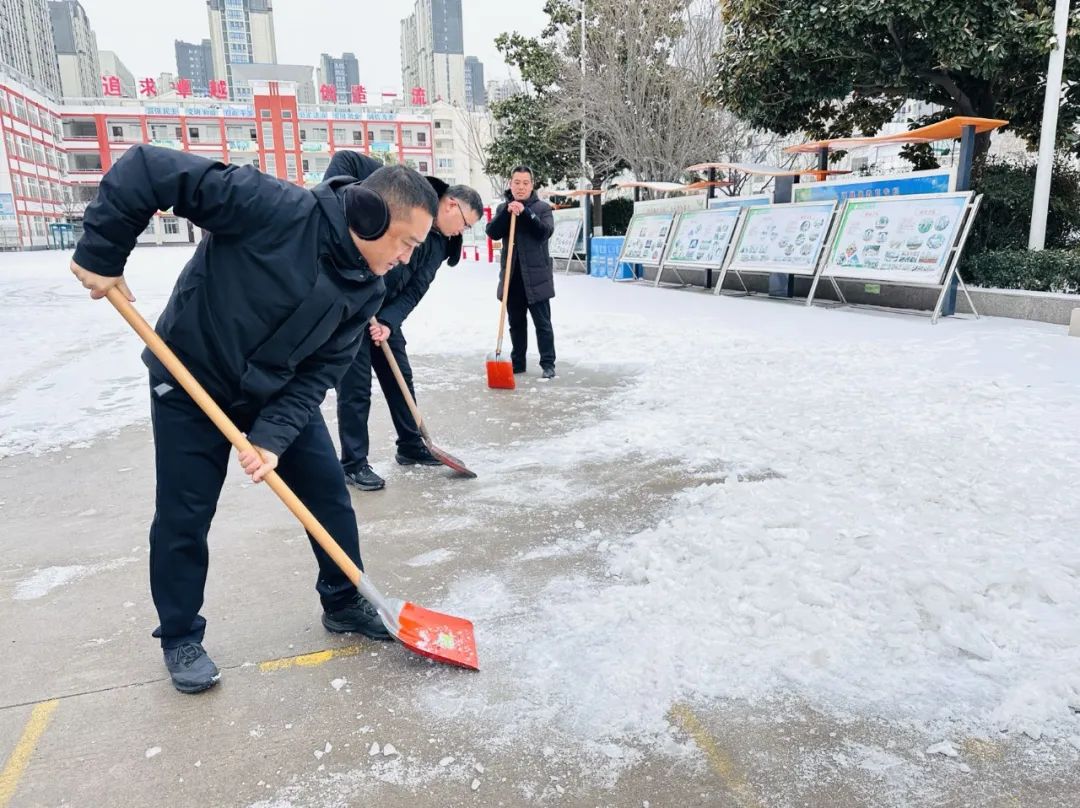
271,165
290,166
32,188
421,138
264,113
268,136
357,137
24,150
386,135
286,113
304,163
423,166
193,133
318,134
445,162
253,134
339,135
288,139
18,108
172,225
117,133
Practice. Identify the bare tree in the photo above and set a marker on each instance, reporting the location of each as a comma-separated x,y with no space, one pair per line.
647,68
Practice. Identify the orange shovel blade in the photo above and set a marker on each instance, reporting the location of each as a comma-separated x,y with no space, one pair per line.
438,636
500,373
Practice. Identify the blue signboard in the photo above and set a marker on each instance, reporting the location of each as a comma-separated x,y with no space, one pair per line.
381,147
739,201
239,112
938,181
7,206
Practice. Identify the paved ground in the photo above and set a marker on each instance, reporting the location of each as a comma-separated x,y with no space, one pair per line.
87,717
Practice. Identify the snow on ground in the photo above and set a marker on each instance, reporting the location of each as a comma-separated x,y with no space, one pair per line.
896,536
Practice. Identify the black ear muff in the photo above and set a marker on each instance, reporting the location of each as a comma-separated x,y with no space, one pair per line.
366,212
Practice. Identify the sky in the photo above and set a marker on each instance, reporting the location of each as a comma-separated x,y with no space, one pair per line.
306,28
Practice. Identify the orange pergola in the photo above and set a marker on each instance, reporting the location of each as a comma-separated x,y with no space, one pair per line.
949,129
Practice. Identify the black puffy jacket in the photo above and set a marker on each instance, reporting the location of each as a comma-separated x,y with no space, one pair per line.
268,312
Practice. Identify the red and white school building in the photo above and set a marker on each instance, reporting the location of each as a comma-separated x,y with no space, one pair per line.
54,153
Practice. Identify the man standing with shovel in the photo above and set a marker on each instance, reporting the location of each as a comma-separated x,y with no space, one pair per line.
532,276
267,315
460,208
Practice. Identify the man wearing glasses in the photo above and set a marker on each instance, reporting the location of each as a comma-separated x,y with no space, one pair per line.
460,208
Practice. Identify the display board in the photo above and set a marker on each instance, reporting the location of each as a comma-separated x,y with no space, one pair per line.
904,240
701,237
566,239
646,237
782,238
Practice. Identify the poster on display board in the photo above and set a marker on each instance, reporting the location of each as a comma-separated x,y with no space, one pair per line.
903,240
566,240
701,237
783,238
646,237
934,181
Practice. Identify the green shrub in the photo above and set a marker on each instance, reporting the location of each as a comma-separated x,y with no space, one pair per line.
617,214
1045,271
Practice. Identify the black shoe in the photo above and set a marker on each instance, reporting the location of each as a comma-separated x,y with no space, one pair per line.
519,370
365,478
191,668
359,617
549,373
416,456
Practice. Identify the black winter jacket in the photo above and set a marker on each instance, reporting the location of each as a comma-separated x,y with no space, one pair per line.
268,312
531,258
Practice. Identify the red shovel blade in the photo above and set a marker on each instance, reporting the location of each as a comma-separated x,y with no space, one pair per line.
438,636
448,459
500,373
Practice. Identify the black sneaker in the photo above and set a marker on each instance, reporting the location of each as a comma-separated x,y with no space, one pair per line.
359,617
416,456
191,668
549,373
365,478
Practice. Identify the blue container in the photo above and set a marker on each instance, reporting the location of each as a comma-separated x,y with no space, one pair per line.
605,255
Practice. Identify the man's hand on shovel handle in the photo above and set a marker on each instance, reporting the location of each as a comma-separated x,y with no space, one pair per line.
99,285
515,208
258,463
379,333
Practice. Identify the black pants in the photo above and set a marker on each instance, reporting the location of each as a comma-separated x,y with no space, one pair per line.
517,304
191,457
354,400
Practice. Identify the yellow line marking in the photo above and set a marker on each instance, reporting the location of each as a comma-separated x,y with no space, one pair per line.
20,757
721,762
307,660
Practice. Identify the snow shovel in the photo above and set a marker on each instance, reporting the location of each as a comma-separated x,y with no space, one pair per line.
500,372
441,637
445,458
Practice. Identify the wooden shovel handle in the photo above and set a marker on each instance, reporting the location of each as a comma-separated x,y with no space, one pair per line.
396,370
509,266
237,438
